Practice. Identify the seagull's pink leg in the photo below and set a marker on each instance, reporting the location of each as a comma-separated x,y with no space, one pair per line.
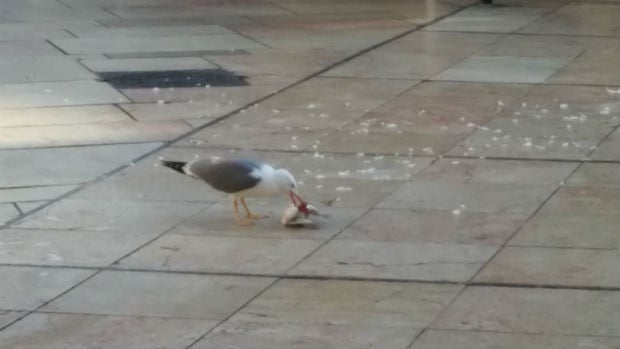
240,221
249,214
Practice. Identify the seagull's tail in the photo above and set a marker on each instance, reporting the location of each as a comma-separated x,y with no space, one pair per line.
178,166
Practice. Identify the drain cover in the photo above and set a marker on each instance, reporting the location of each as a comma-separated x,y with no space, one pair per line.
173,78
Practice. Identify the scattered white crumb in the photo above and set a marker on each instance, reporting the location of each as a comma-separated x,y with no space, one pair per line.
343,189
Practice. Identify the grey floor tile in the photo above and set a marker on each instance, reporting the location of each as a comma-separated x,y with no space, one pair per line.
90,134
532,310
8,316
433,226
161,30
553,266
595,175
66,247
40,69
34,193
246,335
487,340
244,255
147,64
349,303
131,216
66,93
159,44
503,69
41,166
489,19
25,288
8,212
60,331
27,48
61,115
396,260
160,294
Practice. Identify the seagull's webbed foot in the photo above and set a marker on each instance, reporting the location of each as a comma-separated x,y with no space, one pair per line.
242,222
249,214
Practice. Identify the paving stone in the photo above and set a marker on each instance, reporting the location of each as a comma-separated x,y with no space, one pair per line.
26,207
90,134
434,226
26,288
160,44
204,110
358,94
163,30
591,72
61,115
213,9
595,175
7,316
8,212
66,247
581,217
553,266
218,221
241,334
487,340
536,46
33,193
245,255
65,93
27,48
147,64
341,39
609,148
396,260
184,21
503,69
489,19
486,198
59,331
497,171
80,164
38,69
540,311
149,218
160,294
349,303
277,61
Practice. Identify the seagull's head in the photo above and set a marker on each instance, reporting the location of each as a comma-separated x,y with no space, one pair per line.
285,181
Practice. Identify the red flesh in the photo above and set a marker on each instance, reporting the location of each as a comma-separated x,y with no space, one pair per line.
302,206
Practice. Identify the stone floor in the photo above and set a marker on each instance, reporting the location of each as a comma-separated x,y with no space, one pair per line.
468,154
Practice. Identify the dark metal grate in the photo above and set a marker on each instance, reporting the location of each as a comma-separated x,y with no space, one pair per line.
173,78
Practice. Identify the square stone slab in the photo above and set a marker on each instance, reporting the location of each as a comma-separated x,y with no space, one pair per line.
8,316
61,331
396,260
27,48
133,217
160,294
610,148
595,175
434,226
553,266
41,166
147,64
159,44
89,134
8,211
470,197
66,247
26,288
488,19
583,217
349,303
38,69
504,69
357,94
243,255
64,93
488,340
533,310
140,31
249,335
61,115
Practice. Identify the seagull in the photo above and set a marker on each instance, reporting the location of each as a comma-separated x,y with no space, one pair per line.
242,178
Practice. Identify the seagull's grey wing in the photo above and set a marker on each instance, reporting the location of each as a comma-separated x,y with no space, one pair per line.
227,175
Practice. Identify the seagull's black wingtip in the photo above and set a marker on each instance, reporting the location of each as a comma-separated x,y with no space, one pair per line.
175,165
